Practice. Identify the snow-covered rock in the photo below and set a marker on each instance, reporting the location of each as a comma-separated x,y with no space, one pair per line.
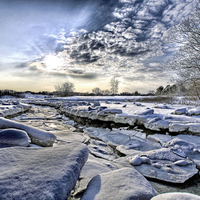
96,103
178,127
194,128
162,165
92,168
157,125
100,149
125,183
145,112
110,111
176,196
14,137
12,109
136,160
114,138
137,104
125,119
137,144
39,137
161,106
180,111
185,148
160,138
40,173
189,138
193,111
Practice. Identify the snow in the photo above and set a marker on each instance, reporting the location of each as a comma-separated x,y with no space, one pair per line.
156,117
176,195
40,173
157,156
38,136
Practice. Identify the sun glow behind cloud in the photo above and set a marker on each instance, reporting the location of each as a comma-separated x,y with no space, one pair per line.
53,63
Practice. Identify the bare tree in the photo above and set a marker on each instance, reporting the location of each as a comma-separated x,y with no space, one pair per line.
114,83
96,91
105,92
66,89
186,62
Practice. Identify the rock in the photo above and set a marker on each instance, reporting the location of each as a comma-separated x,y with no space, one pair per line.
125,183
137,144
137,104
194,128
176,196
186,149
181,162
157,125
96,103
9,110
136,160
180,111
92,167
193,111
125,119
189,138
114,138
38,137
163,166
40,173
14,137
124,150
161,138
100,108
145,112
105,152
161,106
110,111
178,127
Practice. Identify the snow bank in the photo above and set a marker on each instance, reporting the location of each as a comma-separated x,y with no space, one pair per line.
39,137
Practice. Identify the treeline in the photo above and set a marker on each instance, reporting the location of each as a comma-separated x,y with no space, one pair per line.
21,94
68,90
11,93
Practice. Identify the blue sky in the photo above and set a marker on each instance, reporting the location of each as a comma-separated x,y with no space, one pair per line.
47,42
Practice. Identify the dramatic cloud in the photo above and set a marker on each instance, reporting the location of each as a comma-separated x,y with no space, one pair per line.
134,35
90,39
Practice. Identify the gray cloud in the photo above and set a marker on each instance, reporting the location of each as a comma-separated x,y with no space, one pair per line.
134,36
22,65
86,76
134,78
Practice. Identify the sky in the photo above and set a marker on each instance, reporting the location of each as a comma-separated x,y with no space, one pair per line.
44,43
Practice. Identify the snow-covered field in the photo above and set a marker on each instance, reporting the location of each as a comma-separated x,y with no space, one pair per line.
171,153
